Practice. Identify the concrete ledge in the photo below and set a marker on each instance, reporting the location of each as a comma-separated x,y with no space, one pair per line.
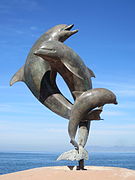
64,173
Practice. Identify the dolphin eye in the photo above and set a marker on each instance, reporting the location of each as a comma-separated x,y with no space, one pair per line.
49,49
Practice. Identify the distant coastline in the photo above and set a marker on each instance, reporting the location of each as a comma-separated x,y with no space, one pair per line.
89,149
111,149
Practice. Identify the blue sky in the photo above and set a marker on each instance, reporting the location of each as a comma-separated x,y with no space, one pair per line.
106,43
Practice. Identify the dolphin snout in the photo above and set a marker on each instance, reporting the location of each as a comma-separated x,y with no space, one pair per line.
69,27
68,31
44,51
116,102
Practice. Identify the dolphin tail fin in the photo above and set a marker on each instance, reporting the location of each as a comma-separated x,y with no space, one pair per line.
18,76
74,155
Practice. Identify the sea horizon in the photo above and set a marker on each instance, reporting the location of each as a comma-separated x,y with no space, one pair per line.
112,149
17,161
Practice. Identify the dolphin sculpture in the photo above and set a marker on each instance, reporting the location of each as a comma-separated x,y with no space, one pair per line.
39,77
84,103
69,65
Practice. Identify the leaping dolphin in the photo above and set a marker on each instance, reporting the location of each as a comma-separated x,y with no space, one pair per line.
36,73
68,64
87,101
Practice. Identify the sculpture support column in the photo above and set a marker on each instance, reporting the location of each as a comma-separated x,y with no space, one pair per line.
84,128
81,165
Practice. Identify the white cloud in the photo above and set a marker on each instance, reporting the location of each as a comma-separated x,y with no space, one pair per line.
7,6
42,134
127,105
126,93
4,87
114,113
120,85
111,135
122,90
20,32
33,28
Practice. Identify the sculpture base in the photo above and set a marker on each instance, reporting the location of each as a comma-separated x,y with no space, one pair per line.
63,172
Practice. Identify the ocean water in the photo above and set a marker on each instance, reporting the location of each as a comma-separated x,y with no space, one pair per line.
13,162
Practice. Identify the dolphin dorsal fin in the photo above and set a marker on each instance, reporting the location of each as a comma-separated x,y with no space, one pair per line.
18,76
91,73
77,93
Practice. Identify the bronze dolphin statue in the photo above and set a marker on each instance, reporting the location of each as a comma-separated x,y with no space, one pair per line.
40,79
78,78
36,73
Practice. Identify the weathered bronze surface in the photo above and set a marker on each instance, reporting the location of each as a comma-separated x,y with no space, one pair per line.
36,73
78,78
50,56
84,103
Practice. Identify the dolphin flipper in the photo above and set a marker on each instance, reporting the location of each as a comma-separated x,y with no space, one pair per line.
18,76
94,114
72,69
